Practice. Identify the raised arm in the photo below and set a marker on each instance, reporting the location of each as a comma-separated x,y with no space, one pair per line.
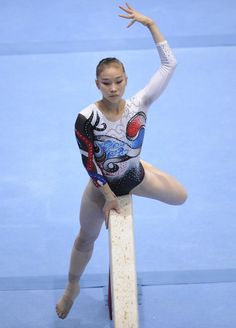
168,61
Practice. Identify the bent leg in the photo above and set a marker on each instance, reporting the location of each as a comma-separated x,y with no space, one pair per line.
91,220
160,186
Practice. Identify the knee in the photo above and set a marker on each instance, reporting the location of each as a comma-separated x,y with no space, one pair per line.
84,242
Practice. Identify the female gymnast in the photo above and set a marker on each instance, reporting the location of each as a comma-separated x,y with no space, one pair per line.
110,134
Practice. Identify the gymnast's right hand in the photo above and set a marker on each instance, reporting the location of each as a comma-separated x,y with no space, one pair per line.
110,204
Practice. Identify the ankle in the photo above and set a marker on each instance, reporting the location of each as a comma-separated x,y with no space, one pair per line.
72,290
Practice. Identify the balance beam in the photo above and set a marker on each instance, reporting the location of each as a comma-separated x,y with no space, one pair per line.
122,266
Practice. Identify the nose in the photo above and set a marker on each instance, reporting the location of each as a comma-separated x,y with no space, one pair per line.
113,88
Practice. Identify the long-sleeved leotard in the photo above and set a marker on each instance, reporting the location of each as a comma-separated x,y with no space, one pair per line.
111,150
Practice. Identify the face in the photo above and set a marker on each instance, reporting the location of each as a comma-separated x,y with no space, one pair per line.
112,82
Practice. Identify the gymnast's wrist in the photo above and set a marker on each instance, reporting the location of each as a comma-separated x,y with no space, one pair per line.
149,22
108,193
109,196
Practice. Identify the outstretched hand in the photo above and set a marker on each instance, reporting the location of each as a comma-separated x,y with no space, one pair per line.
135,16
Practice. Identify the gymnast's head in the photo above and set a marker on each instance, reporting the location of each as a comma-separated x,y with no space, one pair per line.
109,61
110,74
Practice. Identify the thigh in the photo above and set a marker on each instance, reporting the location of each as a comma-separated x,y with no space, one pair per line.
91,215
160,186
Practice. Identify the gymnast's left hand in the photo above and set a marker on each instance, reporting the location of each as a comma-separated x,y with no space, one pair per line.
111,204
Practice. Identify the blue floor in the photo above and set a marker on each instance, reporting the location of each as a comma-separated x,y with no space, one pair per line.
168,306
186,256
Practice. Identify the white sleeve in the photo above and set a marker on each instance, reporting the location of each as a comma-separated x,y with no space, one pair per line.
160,79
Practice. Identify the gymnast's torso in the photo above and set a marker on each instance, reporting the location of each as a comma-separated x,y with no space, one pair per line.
111,150
117,145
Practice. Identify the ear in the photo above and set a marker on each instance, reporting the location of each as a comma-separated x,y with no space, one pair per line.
126,79
97,84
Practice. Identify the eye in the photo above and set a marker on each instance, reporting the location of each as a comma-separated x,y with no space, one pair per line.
106,83
119,82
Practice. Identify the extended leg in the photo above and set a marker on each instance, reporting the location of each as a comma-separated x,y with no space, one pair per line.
160,186
91,220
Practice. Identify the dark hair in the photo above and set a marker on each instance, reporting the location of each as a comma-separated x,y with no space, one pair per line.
108,61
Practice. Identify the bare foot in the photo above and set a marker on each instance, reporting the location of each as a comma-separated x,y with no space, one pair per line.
63,307
66,301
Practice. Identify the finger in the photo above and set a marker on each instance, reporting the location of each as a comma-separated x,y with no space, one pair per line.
128,11
128,5
118,209
131,23
106,215
107,220
125,16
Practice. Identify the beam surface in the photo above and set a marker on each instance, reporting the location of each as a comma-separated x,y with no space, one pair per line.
122,266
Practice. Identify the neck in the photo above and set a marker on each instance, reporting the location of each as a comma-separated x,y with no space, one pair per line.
114,107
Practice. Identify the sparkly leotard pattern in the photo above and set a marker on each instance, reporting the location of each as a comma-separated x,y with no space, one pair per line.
111,150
